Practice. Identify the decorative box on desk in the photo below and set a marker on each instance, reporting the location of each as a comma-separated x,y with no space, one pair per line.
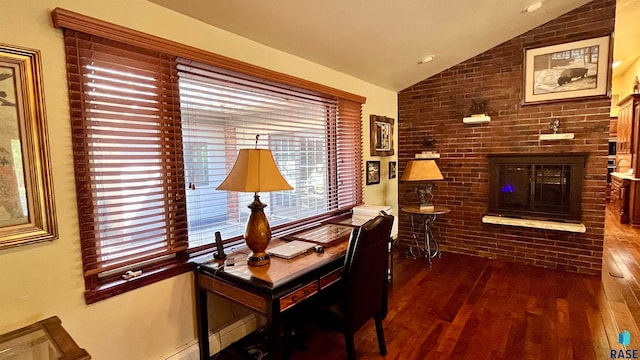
366,212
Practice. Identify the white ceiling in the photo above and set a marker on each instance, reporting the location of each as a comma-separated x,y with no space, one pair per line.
382,41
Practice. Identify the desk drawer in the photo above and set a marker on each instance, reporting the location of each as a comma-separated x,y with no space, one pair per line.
297,296
330,278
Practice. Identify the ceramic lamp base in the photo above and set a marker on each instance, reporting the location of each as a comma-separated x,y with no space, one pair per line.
257,234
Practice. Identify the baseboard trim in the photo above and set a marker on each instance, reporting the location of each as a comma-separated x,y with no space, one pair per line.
219,340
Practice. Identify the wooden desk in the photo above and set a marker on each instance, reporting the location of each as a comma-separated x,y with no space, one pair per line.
270,290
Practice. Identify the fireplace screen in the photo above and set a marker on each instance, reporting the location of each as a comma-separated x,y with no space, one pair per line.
545,187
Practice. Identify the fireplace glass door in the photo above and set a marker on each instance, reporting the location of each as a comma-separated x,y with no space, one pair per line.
539,187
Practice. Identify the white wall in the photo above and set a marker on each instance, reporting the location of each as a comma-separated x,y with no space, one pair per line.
38,281
622,84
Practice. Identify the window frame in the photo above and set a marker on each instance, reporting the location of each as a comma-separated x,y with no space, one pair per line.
351,104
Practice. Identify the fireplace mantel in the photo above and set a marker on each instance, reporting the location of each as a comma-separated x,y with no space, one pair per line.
537,224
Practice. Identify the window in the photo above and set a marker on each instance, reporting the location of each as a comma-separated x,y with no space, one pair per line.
547,187
154,133
222,112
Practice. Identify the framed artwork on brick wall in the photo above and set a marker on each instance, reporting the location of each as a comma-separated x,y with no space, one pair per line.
576,69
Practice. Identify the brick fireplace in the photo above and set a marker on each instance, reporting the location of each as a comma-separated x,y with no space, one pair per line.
435,107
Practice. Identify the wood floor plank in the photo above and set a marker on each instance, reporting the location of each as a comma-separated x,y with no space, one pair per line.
516,339
625,322
430,341
452,333
581,336
479,286
608,319
630,298
550,328
499,325
601,346
479,345
565,349
468,332
611,265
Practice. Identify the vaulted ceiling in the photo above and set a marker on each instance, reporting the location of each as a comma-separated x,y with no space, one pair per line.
382,41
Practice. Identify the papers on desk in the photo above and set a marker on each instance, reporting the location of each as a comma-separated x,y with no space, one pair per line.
370,211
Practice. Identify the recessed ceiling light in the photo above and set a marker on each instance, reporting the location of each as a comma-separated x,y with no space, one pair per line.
533,7
427,59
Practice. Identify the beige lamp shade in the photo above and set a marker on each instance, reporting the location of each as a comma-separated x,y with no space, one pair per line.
255,170
421,170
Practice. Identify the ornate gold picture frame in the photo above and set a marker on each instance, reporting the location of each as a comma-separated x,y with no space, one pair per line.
27,208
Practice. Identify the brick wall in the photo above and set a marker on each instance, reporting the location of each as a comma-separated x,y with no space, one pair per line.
435,107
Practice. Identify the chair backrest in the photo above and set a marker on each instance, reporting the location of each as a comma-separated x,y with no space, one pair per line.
365,272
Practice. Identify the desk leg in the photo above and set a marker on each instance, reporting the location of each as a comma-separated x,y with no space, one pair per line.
202,319
274,321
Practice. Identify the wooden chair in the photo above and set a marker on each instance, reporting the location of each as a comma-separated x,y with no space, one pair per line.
363,293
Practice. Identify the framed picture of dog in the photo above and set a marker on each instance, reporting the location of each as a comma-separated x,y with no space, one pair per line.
566,71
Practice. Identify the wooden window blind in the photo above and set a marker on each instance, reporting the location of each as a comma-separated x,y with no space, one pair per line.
128,156
348,154
312,139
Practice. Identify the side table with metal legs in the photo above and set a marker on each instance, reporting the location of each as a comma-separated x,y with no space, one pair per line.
421,221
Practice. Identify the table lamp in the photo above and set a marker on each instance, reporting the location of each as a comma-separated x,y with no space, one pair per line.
423,170
256,171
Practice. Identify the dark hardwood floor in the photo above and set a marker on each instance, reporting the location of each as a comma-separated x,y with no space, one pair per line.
473,308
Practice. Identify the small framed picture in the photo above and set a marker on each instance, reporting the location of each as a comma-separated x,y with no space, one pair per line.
392,169
373,172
